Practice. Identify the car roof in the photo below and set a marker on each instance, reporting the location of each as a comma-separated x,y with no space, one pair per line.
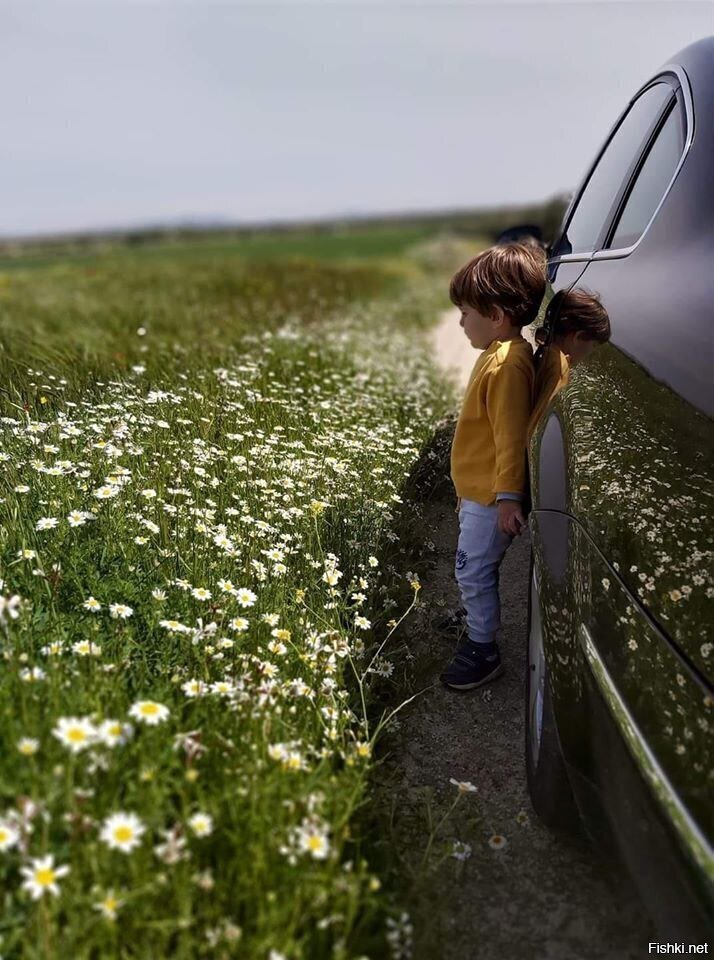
697,60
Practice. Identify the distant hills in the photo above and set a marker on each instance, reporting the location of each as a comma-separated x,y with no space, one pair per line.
488,221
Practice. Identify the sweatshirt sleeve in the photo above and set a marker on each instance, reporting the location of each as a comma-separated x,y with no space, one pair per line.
509,398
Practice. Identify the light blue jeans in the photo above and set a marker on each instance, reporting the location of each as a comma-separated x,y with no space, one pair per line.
479,553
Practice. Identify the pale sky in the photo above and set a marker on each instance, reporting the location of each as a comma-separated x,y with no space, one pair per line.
121,113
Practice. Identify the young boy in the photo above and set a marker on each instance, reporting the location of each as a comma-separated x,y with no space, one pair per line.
498,292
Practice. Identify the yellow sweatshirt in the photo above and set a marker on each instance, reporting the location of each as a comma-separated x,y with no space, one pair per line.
551,375
488,451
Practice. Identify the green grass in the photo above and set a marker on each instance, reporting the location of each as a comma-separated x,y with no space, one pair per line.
349,242
85,319
255,436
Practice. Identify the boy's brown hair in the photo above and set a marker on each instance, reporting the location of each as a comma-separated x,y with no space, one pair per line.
575,311
510,276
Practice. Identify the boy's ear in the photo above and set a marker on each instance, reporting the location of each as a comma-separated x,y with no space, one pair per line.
497,316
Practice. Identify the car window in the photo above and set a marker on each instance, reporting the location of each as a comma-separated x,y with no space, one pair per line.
613,167
652,181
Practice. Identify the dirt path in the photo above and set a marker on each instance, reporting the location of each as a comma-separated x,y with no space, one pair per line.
453,352
540,897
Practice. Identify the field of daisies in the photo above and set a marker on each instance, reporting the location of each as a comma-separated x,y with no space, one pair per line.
202,461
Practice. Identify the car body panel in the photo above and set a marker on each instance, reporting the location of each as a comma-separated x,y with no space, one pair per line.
676,893
638,752
638,462
621,468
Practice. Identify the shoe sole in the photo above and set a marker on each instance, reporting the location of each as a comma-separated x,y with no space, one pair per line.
479,683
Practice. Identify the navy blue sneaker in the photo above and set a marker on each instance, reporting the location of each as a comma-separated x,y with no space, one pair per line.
473,665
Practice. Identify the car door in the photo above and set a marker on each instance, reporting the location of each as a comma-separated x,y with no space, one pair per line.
585,221
622,514
584,224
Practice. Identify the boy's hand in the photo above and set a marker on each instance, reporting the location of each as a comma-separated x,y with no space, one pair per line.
510,517
458,504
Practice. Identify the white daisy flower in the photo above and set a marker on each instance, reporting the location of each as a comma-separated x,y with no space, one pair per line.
42,875
460,850
246,598
92,605
122,831
106,492
313,839
32,674
174,626
28,746
149,712
201,824
221,540
113,732
120,611
75,733
194,688
109,906
9,836
46,523
86,648
9,606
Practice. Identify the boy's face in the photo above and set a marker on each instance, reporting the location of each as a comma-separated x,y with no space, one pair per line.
480,330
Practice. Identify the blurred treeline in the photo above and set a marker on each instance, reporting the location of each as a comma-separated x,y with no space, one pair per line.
355,236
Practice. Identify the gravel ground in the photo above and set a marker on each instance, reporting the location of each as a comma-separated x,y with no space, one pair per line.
541,896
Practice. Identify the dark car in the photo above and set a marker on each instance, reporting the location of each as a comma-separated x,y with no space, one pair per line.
523,231
619,703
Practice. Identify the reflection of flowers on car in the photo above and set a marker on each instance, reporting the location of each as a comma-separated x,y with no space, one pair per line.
640,461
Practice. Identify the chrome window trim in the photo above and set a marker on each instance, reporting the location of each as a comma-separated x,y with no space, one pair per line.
573,258
689,834
619,252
